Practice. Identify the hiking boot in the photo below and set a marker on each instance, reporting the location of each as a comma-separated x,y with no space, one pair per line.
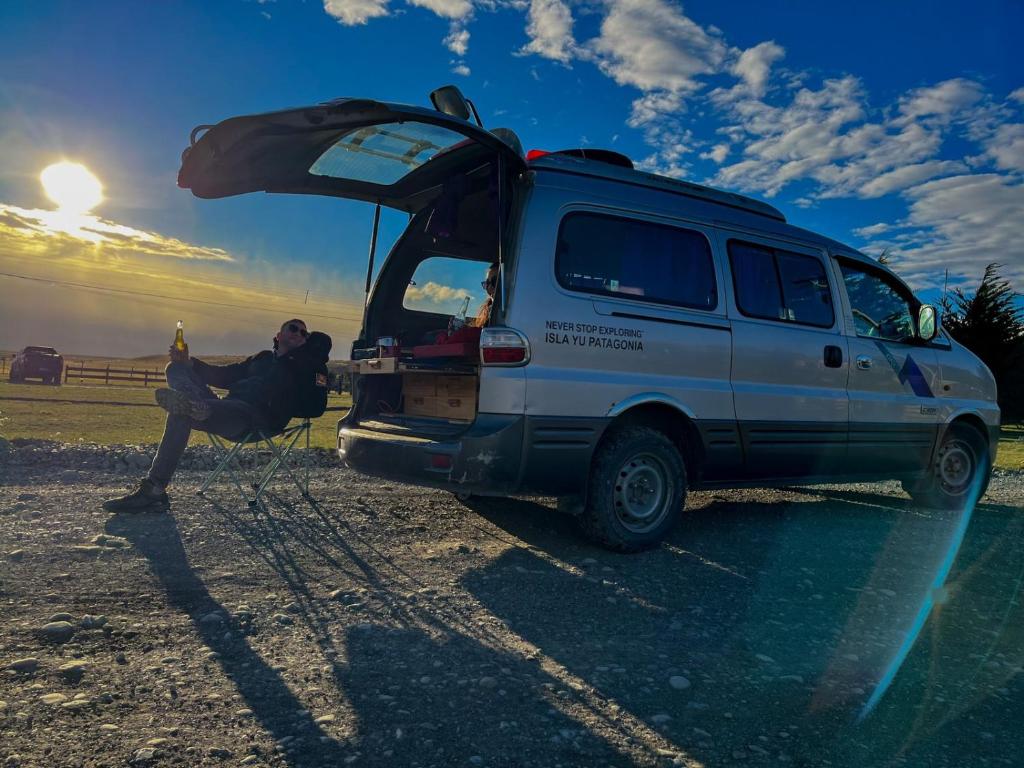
146,498
179,404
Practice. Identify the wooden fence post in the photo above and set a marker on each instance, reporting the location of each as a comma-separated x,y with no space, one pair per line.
106,381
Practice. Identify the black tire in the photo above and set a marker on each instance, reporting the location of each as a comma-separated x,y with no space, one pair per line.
962,455
636,492
463,497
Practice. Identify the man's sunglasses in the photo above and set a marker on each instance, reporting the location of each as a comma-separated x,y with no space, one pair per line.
298,329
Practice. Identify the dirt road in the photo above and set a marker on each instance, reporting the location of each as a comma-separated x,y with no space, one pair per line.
394,626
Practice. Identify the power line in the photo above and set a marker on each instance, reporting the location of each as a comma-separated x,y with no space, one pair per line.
125,291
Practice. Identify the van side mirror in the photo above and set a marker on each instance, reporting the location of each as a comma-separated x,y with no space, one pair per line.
449,99
927,322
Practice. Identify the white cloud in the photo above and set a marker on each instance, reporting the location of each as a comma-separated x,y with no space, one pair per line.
448,9
433,293
823,135
457,40
550,30
652,45
718,153
460,68
874,229
1017,95
352,12
962,223
907,176
51,228
1006,147
754,65
942,101
653,106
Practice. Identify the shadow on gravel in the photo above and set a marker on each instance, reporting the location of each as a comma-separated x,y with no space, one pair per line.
760,630
429,689
156,537
450,701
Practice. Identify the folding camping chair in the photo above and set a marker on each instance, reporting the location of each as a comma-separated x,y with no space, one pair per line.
281,447
311,402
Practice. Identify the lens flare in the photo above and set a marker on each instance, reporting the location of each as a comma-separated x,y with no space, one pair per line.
72,186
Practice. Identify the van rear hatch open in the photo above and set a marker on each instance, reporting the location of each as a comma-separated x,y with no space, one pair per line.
395,155
399,156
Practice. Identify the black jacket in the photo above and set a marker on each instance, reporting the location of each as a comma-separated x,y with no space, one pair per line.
278,387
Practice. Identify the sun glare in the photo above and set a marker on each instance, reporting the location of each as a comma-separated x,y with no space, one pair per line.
72,186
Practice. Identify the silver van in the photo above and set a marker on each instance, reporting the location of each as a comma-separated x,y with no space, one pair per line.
643,336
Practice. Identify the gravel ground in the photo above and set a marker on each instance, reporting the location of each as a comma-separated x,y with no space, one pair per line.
388,625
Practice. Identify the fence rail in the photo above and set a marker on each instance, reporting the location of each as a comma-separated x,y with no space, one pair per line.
106,374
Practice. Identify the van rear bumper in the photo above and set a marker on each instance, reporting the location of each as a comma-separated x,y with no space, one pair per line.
485,459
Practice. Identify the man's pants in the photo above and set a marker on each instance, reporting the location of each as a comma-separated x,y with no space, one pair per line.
231,419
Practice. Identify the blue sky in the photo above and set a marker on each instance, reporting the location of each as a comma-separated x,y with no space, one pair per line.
884,125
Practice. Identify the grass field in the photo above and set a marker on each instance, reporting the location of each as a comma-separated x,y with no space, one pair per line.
1011,447
96,414
99,414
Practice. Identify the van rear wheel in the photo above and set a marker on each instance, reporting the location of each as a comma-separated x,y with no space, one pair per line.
961,463
637,489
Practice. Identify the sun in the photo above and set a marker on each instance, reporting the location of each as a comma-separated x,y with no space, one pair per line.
72,186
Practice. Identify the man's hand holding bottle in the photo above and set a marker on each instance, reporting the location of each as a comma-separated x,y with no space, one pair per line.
179,349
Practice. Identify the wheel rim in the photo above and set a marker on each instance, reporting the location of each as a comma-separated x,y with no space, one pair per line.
643,488
956,467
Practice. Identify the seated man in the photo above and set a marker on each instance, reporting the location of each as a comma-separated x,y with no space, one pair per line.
264,391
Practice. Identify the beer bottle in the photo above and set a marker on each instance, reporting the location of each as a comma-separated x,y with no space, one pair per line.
179,337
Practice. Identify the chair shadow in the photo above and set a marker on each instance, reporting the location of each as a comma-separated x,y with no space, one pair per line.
380,668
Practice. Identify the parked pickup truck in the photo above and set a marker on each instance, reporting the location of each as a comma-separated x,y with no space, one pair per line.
43,363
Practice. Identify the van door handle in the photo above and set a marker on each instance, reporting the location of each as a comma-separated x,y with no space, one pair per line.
863,362
833,356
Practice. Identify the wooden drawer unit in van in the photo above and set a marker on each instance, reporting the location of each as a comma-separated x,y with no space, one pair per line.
439,396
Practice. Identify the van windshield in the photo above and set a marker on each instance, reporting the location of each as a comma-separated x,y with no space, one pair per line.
383,154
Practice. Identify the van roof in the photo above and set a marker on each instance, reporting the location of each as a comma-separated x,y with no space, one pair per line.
571,164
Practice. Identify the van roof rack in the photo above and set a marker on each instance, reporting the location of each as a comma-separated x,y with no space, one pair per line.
569,161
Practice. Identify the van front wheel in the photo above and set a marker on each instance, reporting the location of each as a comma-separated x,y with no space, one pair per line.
637,490
961,468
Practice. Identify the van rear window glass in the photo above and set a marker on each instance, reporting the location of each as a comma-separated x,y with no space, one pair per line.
780,285
447,286
635,259
383,154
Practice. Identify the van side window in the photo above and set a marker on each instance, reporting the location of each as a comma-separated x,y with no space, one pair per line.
635,259
881,308
780,285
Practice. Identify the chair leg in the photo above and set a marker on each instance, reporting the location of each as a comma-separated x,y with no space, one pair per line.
289,438
280,452
228,463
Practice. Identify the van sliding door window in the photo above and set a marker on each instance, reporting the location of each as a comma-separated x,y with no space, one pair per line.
774,284
633,259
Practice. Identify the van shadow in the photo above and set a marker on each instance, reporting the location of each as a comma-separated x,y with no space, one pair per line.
424,697
756,630
274,706
423,682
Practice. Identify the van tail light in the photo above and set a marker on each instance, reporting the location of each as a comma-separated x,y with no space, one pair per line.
504,346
